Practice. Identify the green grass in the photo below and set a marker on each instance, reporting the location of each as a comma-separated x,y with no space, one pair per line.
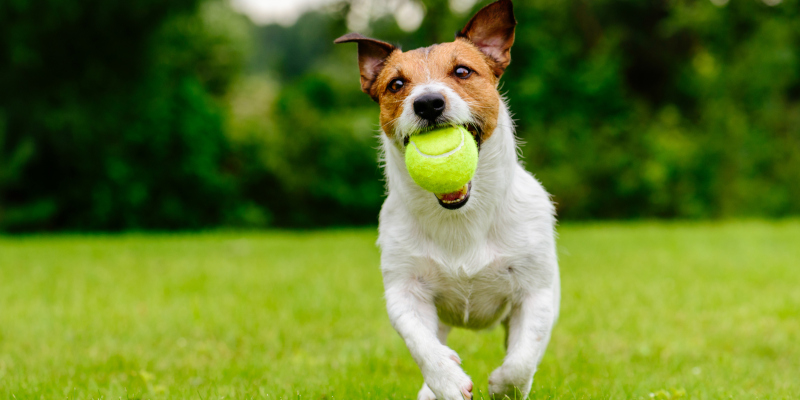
664,311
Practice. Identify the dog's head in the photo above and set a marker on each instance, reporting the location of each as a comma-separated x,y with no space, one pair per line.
452,83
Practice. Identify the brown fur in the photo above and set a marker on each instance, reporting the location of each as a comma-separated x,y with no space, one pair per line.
372,54
492,31
438,62
483,46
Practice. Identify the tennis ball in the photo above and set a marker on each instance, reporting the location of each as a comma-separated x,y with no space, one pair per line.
443,160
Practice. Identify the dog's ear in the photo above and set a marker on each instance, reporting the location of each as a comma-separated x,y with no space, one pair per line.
372,54
492,31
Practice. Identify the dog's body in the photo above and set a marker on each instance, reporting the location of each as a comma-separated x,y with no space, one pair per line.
455,262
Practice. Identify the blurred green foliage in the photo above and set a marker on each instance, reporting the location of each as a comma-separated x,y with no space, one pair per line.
661,109
110,113
181,114
626,109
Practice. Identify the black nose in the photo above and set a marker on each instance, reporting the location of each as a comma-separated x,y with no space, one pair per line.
429,106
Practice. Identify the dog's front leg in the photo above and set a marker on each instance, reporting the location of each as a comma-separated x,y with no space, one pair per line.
413,314
529,326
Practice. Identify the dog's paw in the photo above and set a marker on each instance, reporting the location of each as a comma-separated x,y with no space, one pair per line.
450,386
512,383
445,380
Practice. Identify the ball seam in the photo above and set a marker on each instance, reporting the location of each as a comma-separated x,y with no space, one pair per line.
449,153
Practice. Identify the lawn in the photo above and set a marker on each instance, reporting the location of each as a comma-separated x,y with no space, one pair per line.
649,310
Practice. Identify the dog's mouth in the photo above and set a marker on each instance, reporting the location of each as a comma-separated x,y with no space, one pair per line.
474,129
455,200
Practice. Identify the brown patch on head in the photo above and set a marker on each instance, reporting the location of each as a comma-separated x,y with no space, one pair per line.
389,75
438,63
372,54
492,30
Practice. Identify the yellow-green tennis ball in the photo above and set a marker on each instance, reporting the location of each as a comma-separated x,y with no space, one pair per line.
442,161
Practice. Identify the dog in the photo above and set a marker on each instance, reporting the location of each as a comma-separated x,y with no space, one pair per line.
480,256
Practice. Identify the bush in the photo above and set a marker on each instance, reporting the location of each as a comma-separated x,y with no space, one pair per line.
136,115
627,109
313,163
115,122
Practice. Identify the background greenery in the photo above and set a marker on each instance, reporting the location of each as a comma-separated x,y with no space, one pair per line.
181,114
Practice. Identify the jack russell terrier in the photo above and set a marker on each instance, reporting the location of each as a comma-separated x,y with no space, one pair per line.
482,255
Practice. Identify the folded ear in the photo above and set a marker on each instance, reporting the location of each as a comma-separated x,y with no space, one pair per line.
492,31
372,54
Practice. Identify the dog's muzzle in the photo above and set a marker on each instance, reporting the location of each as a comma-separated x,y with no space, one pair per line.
457,199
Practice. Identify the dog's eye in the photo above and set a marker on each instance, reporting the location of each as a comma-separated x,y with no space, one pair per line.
462,72
396,85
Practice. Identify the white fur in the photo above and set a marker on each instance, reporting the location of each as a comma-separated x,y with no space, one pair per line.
492,260
457,111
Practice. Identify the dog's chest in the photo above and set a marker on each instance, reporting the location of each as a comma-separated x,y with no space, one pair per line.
474,301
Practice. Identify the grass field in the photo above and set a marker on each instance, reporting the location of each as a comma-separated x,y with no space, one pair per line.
664,311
